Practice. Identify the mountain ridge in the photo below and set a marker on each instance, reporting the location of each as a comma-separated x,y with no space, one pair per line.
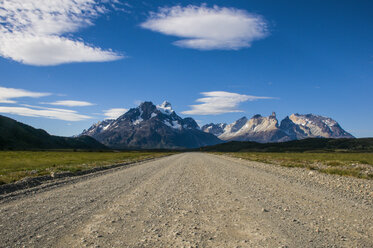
267,129
15,135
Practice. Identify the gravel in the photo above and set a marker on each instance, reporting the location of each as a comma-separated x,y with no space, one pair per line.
194,200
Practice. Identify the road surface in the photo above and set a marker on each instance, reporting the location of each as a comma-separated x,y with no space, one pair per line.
194,200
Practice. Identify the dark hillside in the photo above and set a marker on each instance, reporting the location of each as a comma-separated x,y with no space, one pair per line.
311,144
15,135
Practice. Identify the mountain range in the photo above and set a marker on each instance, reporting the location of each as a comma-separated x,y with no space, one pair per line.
158,126
267,129
151,126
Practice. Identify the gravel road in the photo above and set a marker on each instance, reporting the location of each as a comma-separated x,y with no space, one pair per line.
194,200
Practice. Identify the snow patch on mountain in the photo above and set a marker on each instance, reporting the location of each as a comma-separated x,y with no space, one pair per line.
165,108
106,127
137,121
173,124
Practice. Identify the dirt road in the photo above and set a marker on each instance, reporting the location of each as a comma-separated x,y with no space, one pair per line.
194,200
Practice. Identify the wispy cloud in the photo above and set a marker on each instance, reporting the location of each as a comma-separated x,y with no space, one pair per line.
8,94
114,113
51,113
70,103
31,31
220,102
206,28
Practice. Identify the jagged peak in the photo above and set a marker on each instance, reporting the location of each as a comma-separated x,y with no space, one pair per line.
149,107
242,119
165,108
257,116
307,115
165,104
314,118
237,125
145,104
310,115
286,120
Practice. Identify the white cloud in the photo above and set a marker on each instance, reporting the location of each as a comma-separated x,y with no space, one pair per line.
50,50
114,113
31,31
220,102
70,103
7,94
51,113
206,28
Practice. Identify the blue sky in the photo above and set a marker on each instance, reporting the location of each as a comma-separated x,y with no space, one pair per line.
62,72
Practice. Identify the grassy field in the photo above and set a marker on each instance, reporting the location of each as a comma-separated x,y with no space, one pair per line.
347,164
15,165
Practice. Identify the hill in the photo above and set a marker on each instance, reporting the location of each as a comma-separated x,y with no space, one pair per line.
15,135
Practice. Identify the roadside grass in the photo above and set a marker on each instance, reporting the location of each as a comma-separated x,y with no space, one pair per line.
358,165
16,165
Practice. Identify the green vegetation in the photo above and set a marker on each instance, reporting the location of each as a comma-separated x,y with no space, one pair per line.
346,164
346,157
305,145
15,165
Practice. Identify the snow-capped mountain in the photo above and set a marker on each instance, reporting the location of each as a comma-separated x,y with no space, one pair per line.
267,129
151,126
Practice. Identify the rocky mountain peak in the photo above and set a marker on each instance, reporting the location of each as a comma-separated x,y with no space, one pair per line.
237,125
146,109
257,128
146,105
259,123
319,126
151,126
215,129
165,108
190,123
286,122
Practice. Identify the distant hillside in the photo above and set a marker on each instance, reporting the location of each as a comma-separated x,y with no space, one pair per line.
310,144
18,136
